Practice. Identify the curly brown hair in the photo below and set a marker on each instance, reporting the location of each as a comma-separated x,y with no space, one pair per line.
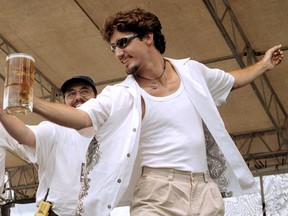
137,21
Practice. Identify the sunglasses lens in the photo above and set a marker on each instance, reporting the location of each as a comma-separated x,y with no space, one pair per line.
113,47
121,43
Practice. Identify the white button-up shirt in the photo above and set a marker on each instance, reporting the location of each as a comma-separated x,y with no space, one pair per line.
116,116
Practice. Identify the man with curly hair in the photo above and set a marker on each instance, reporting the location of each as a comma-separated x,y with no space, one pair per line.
152,124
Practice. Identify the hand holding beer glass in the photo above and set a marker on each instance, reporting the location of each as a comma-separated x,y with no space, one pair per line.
18,89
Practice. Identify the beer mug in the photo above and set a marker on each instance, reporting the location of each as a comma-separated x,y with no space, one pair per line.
18,88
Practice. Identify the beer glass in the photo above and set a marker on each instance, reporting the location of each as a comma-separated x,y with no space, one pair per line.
18,88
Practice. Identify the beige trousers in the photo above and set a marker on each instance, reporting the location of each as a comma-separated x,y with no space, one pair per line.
168,192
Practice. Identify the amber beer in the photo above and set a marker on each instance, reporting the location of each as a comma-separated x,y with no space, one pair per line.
18,89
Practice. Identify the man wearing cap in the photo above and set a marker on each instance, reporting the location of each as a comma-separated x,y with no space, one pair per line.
59,151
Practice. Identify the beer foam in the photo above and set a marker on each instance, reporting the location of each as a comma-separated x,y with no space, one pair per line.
24,55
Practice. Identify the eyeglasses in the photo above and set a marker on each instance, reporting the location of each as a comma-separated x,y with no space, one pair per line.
83,92
122,42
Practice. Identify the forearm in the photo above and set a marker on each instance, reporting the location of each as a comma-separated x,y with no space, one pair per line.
249,74
61,114
18,130
272,58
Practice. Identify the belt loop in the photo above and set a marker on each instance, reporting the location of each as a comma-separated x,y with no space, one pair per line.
170,175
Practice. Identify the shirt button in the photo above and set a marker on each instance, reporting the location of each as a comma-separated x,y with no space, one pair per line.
128,155
119,180
109,206
134,129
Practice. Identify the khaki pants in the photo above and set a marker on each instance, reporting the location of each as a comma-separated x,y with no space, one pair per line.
168,192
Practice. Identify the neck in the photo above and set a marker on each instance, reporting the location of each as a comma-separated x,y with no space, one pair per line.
154,81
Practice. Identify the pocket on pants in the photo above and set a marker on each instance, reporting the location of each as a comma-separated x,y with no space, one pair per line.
150,188
216,200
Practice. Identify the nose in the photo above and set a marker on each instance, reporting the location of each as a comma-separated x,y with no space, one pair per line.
78,95
118,52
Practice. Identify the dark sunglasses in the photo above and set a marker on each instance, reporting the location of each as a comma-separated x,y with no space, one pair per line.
122,42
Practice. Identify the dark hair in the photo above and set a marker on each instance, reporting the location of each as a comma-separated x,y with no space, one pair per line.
137,21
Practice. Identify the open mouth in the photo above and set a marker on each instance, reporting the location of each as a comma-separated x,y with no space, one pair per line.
125,60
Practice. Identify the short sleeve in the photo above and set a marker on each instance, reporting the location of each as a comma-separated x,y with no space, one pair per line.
45,134
218,82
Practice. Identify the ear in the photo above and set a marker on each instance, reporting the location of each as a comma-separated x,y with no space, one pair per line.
149,38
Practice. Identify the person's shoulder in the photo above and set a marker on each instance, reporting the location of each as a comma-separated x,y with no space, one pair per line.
177,61
184,62
46,124
116,89
126,87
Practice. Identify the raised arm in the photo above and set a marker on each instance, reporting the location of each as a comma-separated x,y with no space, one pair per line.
62,114
17,129
244,76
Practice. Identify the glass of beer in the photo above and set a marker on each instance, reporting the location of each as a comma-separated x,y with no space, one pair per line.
18,88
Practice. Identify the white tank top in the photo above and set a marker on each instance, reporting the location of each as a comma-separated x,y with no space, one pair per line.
172,134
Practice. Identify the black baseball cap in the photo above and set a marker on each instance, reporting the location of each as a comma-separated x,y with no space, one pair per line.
75,79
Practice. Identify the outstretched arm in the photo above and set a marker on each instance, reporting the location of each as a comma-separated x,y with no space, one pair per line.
244,76
61,114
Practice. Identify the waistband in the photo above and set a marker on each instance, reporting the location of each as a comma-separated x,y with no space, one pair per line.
173,174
